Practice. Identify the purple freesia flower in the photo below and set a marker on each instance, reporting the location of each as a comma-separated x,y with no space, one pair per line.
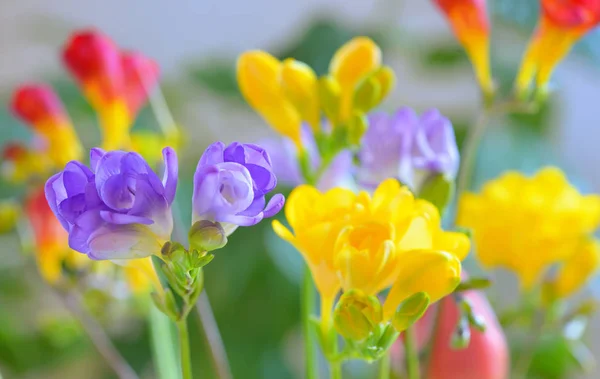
407,147
284,155
118,209
230,185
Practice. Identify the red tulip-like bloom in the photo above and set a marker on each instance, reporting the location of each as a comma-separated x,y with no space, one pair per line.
487,355
562,23
115,83
471,26
40,107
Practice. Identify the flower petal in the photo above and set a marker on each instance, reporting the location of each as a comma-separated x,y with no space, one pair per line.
169,180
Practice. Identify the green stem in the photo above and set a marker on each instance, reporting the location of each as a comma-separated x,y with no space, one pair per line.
212,337
163,339
307,306
385,365
335,369
184,346
469,152
412,354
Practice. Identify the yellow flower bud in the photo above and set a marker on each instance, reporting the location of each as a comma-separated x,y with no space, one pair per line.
350,65
356,315
330,94
300,86
259,75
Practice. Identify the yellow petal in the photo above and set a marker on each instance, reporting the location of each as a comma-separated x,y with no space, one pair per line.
436,273
354,61
258,75
299,84
453,242
576,271
115,122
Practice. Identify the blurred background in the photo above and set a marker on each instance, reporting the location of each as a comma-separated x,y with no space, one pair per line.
253,283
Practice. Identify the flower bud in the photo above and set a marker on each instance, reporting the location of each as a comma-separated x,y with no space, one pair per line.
410,311
9,215
356,315
357,127
299,85
206,235
330,97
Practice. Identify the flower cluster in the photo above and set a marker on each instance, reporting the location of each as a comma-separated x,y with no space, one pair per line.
538,221
370,243
562,23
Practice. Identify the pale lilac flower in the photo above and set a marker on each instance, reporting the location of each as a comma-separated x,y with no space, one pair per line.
118,209
284,155
230,185
407,147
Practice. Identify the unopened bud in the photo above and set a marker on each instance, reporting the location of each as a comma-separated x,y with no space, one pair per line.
357,127
410,311
206,235
356,315
367,94
329,97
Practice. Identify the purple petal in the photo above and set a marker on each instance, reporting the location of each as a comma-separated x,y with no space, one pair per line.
123,242
95,155
206,188
169,180
255,208
263,178
118,192
243,220
72,207
212,155
51,197
147,201
124,219
78,239
274,205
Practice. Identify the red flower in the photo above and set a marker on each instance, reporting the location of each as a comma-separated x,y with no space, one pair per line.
562,23
470,23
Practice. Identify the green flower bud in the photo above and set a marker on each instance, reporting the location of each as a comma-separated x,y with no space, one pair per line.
206,235
329,97
410,311
367,94
438,190
356,315
357,126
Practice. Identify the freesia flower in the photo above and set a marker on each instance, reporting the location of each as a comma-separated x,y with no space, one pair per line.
230,185
50,239
527,224
118,208
471,26
116,84
390,240
562,23
288,93
40,107
408,147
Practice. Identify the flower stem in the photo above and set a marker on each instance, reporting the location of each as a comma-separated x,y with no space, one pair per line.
184,349
469,152
335,369
384,366
412,354
307,309
163,340
101,341
212,337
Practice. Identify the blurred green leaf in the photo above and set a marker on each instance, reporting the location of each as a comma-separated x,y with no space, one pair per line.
444,56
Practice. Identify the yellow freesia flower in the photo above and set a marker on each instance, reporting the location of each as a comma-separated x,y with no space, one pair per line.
526,224
288,93
370,243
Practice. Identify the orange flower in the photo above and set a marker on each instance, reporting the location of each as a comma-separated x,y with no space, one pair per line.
50,239
562,23
470,23
116,84
40,107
